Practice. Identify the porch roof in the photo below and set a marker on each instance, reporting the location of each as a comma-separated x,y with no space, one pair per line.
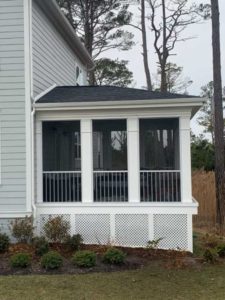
79,94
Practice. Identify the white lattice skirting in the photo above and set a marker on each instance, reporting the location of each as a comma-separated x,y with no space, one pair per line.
133,230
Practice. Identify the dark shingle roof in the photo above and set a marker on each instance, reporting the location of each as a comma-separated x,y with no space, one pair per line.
102,93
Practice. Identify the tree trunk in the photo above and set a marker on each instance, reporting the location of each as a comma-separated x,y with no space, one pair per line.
218,116
165,52
145,50
163,86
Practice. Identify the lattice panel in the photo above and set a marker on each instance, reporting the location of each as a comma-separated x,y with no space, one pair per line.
95,229
131,230
173,231
43,219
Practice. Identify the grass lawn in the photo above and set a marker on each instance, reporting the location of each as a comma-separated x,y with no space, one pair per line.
151,282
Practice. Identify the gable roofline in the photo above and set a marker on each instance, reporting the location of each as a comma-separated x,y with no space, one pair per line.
56,16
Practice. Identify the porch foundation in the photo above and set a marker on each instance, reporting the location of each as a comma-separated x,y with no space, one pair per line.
131,226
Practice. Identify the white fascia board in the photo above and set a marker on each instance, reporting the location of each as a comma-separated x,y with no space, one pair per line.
157,103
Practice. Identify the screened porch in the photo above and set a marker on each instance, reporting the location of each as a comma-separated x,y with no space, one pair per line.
159,167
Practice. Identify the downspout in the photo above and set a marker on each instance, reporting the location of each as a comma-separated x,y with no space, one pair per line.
34,210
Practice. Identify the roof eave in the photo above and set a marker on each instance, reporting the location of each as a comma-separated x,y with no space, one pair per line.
51,8
193,103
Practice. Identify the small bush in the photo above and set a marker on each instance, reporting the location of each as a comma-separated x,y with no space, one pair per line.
57,229
20,260
4,242
210,256
154,244
41,245
22,229
74,241
84,259
51,260
211,240
221,251
114,256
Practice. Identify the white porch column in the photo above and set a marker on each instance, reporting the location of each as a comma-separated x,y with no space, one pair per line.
185,160
86,161
39,162
133,159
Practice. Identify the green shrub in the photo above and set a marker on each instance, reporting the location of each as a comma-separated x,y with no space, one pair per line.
22,229
4,242
84,259
41,245
57,229
20,260
74,241
114,256
51,260
210,256
221,251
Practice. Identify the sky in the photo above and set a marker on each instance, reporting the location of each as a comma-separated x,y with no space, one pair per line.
195,55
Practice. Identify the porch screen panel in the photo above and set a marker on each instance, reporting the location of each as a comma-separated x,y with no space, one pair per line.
159,160
110,161
61,161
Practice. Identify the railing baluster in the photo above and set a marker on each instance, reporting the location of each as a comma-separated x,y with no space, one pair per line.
176,188
172,186
109,199
160,186
160,193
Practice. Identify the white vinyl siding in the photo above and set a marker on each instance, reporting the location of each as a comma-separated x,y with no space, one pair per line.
54,62
12,107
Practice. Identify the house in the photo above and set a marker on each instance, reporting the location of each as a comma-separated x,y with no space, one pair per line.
114,162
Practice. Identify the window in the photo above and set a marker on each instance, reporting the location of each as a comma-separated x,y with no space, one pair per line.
78,76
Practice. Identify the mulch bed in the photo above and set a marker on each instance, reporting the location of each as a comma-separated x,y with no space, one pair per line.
136,258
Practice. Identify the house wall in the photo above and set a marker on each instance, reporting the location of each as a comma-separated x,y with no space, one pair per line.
12,108
54,62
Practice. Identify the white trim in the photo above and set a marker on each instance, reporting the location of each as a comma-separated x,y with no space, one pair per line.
117,113
112,228
185,159
115,208
108,172
39,162
31,48
190,232
133,160
0,152
28,88
151,227
86,161
15,214
61,172
45,92
176,102
122,204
